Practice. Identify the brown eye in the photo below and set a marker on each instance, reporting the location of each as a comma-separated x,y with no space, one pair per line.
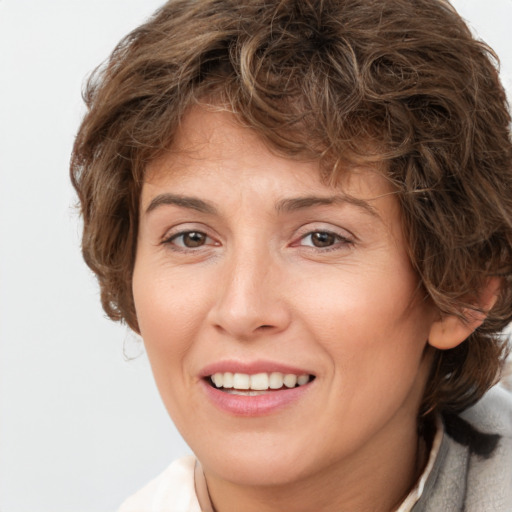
322,239
194,239
189,239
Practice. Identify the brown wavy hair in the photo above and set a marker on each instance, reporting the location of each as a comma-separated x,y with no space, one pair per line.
324,80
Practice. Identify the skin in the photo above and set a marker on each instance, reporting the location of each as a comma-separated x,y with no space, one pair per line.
257,283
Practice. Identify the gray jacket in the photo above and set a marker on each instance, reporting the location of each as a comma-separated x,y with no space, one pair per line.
473,470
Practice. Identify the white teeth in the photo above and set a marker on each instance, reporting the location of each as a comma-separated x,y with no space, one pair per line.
218,379
301,380
276,380
290,380
228,380
258,381
241,381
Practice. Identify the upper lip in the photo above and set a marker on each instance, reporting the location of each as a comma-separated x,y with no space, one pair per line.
251,368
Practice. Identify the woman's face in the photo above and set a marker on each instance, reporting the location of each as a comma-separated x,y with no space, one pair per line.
252,272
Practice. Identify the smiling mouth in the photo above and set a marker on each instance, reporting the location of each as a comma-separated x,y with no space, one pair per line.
256,384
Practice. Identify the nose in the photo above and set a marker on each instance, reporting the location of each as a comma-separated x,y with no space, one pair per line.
249,297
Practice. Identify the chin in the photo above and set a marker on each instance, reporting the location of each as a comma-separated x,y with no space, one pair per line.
256,473
271,465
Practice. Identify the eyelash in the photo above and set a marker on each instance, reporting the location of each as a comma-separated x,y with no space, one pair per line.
171,240
339,241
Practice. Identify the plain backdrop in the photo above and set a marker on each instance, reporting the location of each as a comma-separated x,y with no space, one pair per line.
81,423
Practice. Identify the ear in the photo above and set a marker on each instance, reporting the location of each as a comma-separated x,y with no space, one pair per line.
450,330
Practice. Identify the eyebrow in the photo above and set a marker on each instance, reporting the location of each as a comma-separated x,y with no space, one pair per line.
283,206
183,201
300,203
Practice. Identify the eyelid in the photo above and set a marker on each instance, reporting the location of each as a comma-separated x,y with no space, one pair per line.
182,229
320,227
344,237
184,233
340,238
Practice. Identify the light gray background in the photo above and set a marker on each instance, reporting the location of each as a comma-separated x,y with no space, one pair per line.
80,427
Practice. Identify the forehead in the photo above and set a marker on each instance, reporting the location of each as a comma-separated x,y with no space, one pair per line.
213,142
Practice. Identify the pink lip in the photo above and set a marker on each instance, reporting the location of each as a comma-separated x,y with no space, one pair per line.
269,402
250,368
259,405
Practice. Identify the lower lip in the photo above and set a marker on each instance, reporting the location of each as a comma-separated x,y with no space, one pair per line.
259,405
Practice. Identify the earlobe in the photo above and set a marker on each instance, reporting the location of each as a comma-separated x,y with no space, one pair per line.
450,330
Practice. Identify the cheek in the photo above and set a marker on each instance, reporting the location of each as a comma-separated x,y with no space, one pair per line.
168,314
371,321
167,303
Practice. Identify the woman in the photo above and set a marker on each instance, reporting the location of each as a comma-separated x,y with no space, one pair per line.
305,209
